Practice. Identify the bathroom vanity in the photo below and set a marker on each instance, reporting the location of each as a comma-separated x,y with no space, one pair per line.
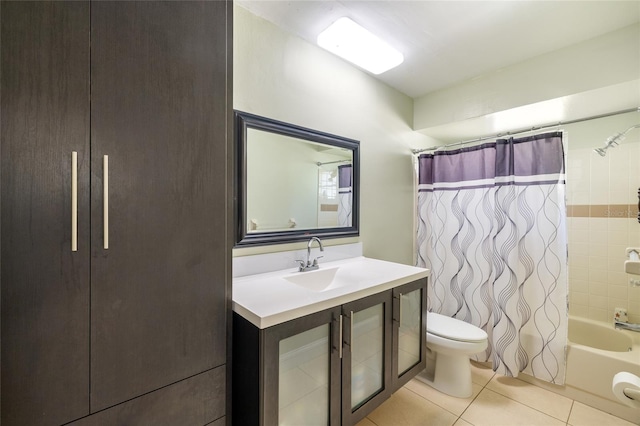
326,346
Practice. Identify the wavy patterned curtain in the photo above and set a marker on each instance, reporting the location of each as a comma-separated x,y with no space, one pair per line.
344,195
492,229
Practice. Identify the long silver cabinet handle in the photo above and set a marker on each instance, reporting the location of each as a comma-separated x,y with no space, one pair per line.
105,181
340,342
74,201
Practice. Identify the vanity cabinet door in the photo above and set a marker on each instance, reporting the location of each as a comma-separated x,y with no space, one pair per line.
287,374
366,362
301,371
409,331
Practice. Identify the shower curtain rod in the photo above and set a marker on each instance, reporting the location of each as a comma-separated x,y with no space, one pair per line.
529,129
333,162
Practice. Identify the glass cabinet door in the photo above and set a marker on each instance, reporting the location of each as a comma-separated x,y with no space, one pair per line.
367,354
366,366
303,378
302,371
409,330
409,340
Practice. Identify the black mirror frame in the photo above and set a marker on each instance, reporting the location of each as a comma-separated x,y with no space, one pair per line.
242,121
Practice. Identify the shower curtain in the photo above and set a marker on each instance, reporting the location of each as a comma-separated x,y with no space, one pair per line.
492,230
344,195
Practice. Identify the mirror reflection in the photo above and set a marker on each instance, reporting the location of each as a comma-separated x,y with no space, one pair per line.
295,182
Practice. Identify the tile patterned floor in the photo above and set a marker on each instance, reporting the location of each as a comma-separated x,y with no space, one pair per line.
496,401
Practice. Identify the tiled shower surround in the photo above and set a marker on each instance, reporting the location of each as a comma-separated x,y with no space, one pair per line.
602,208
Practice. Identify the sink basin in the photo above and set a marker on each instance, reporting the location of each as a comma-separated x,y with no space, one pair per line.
318,280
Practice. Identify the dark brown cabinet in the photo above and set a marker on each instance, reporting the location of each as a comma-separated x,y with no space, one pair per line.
45,286
158,111
135,331
332,367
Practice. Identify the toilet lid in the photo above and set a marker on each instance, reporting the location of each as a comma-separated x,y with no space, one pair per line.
454,329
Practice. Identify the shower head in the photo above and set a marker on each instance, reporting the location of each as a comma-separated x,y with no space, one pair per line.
613,141
601,151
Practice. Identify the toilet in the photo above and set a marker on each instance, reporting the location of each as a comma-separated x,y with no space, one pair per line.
450,342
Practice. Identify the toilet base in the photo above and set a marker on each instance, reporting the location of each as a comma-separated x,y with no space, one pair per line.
452,375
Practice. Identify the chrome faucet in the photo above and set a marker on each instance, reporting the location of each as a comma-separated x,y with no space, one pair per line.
626,326
309,265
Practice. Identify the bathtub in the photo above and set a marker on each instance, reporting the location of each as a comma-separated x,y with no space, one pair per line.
595,353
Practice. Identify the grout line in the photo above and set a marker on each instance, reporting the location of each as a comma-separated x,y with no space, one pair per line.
573,402
533,408
528,406
475,397
436,404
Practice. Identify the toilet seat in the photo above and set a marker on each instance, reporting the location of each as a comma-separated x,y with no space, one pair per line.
454,329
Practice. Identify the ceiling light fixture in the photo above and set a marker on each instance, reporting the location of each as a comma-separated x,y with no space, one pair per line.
350,41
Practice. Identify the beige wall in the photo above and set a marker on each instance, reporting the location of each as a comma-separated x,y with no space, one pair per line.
283,77
609,60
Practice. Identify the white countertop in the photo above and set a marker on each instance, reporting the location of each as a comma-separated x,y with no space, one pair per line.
269,299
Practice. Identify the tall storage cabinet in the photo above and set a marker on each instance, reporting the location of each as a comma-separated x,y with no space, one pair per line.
132,325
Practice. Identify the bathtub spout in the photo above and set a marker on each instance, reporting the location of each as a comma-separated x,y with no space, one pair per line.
626,326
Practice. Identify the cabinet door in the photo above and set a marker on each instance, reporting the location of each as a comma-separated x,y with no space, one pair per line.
366,363
45,285
302,371
159,110
409,331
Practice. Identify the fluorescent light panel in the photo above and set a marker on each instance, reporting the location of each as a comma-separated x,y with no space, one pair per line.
350,41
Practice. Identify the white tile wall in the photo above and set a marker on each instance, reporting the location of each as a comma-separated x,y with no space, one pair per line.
597,282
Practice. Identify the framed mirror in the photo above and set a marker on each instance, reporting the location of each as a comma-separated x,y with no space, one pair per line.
293,183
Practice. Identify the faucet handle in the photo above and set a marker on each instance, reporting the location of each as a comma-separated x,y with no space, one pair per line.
315,261
302,265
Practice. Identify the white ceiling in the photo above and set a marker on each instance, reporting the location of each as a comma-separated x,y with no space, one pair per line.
447,42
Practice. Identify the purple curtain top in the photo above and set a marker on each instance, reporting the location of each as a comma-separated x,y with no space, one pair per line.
448,166
530,156
344,176
533,159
